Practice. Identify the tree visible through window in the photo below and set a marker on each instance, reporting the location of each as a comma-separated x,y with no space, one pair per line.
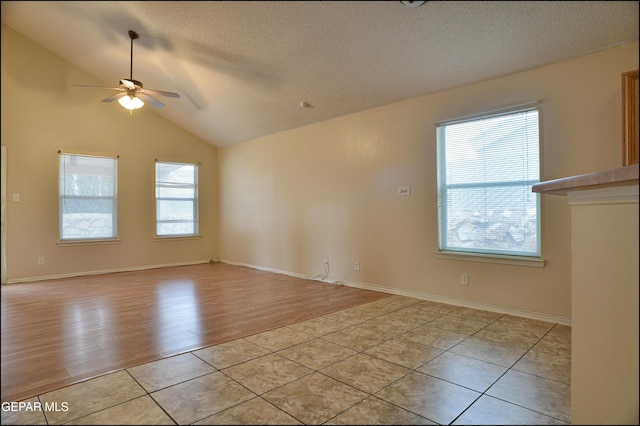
486,168
88,202
176,199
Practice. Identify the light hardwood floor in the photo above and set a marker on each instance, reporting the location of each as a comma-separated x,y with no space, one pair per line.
59,332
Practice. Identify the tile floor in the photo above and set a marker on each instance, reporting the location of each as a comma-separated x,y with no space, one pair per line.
397,360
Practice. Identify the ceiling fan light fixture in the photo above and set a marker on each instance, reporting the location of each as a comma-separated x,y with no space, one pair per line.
131,102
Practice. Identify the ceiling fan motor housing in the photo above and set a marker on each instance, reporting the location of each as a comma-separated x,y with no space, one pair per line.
137,83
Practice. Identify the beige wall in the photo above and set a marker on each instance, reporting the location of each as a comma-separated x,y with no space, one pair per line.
291,199
43,113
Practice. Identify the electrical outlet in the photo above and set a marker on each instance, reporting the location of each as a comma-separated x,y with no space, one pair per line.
464,279
41,261
356,266
326,261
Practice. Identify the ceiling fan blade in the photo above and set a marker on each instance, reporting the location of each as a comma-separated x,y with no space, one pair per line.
99,87
160,92
150,100
114,97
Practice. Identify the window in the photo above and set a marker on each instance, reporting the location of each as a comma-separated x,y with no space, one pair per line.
88,202
176,199
486,168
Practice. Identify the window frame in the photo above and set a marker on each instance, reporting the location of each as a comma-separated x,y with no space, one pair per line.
62,196
485,253
195,201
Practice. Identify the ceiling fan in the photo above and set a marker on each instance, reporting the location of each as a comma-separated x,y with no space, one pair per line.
132,95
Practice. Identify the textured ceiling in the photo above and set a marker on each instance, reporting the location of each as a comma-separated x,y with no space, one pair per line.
243,68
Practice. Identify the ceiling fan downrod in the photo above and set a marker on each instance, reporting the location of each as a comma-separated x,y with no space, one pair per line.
132,35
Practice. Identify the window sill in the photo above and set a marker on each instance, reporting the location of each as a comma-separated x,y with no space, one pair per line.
87,242
534,262
177,237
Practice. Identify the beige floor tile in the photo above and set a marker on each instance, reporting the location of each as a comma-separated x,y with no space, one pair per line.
318,326
547,365
314,399
139,411
553,346
379,307
256,411
365,372
404,352
374,411
509,329
442,308
491,411
518,335
459,324
357,338
476,314
434,336
503,354
92,396
464,371
524,323
351,316
317,353
403,301
432,398
279,338
560,332
30,412
536,393
557,341
169,371
388,325
415,315
263,374
231,353
191,401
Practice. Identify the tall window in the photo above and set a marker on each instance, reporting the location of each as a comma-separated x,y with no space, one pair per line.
486,168
88,197
176,199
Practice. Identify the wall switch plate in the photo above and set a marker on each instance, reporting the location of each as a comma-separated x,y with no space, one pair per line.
404,191
356,266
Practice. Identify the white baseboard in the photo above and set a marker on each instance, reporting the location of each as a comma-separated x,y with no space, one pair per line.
420,295
105,271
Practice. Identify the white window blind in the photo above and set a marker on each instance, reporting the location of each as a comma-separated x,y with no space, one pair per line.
486,168
88,197
176,199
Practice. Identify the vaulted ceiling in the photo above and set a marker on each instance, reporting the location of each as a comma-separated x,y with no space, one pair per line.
245,68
